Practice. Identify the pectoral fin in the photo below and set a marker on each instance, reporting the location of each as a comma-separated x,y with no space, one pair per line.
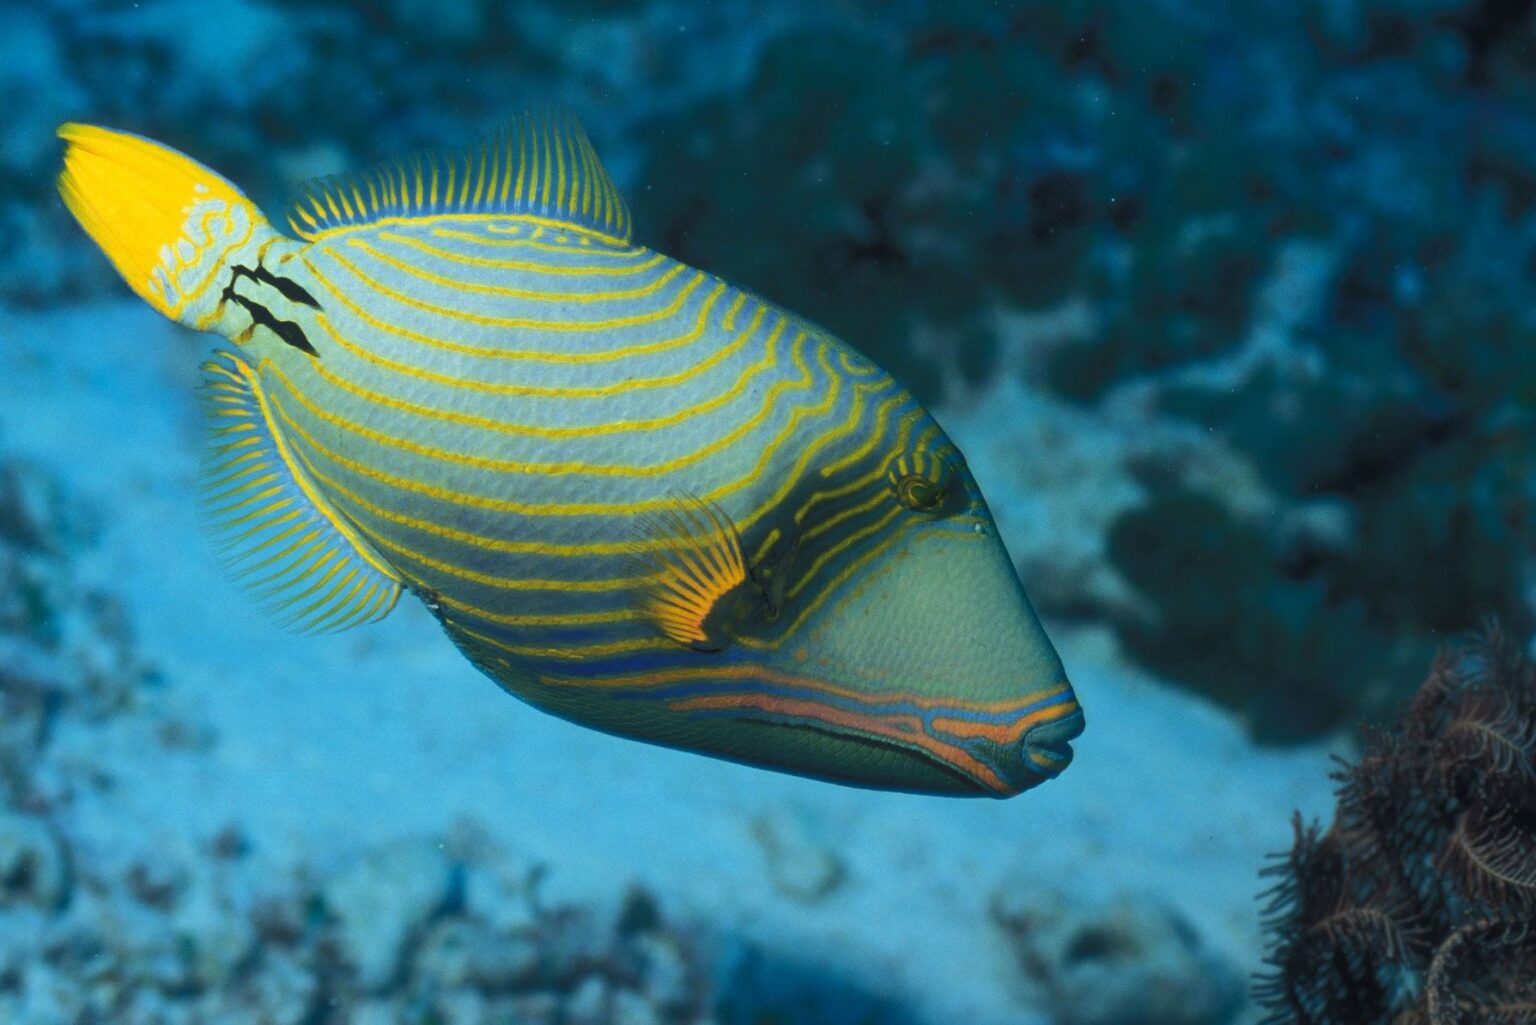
699,590
281,538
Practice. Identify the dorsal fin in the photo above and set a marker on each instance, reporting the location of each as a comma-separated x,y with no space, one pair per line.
279,536
541,163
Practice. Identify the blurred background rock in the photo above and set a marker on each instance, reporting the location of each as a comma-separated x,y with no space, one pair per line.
1259,273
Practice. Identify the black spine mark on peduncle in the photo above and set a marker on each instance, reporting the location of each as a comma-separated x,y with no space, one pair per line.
289,289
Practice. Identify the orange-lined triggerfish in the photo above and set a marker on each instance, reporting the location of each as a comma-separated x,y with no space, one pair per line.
635,495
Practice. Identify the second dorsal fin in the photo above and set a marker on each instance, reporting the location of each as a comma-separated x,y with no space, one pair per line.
540,163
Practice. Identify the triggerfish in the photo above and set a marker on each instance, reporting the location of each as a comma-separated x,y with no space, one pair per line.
635,495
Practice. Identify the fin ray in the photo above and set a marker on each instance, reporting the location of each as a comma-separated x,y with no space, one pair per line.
695,579
541,163
287,547
166,222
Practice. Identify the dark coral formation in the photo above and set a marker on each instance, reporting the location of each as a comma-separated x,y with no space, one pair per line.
1418,905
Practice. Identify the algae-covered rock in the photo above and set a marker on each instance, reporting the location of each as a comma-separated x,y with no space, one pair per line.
1120,960
66,651
34,864
801,862
382,901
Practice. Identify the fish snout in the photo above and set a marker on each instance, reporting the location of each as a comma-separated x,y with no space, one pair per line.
1047,748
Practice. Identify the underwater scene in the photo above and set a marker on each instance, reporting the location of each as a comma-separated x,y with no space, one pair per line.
569,512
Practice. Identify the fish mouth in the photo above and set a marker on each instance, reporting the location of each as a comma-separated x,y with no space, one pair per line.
1047,748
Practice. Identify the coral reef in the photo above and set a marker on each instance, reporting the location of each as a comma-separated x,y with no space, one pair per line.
1418,904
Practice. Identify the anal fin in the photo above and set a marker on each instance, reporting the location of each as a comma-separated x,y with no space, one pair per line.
279,535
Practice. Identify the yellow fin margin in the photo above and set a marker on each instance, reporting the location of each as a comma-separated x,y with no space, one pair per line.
133,197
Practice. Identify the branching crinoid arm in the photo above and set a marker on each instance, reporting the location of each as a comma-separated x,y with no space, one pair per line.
1486,763
1488,740
1418,905
1354,967
1390,821
1345,950
1491,857
1309,878
1484,974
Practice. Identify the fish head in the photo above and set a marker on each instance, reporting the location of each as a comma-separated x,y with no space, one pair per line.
930,648
880,636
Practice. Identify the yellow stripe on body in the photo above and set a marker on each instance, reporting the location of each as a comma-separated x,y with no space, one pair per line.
842,546
858,483
605,244
500,581
534,295
831,522
532,242
907,422
528,266
489,388
624,615
861,453
620,387
590,508
521,354
766,364
523,323
594,508
632,646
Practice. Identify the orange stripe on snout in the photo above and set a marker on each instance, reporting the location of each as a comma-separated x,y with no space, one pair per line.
774,676
999,732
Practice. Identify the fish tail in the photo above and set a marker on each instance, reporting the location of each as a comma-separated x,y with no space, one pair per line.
167,223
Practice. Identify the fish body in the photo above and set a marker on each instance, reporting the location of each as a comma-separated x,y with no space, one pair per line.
635,495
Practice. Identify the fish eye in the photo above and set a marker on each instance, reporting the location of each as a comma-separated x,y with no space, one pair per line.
919,493
921,482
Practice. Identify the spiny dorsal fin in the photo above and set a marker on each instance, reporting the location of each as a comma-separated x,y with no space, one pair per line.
279,536
540,164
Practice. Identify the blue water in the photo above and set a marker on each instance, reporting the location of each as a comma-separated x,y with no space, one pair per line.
1229,309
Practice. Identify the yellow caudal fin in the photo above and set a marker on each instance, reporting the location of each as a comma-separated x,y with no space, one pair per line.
165,221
